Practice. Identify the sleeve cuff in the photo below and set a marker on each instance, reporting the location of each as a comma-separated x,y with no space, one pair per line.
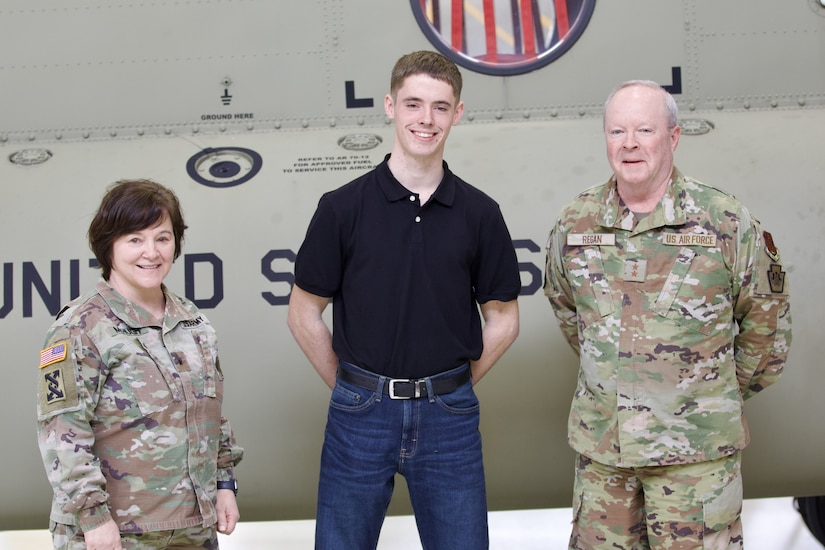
93,517
225,474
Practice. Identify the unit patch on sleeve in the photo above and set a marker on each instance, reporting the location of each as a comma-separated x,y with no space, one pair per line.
57,387
776,279
768,270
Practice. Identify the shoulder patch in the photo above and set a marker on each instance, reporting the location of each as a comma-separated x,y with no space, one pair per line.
57,384
768,271
54,354
770,247
776,279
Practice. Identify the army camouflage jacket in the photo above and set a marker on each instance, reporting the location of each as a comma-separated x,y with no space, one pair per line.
677,317
129,415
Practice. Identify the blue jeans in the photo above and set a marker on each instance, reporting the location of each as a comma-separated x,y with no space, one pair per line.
434,442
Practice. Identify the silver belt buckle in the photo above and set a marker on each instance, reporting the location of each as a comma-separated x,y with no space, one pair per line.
393,381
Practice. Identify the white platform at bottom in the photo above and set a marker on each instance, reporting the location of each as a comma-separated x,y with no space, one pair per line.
770,524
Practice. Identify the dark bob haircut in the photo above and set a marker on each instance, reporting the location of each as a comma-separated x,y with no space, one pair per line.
129,206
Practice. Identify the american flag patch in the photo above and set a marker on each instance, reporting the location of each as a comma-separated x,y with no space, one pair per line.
53,354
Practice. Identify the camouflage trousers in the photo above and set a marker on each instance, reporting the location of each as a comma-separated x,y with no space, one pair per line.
69,537
679,507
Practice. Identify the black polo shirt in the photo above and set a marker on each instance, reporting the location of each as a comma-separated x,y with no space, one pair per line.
404,278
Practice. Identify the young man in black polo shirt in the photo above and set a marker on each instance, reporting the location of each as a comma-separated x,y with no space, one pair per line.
407,254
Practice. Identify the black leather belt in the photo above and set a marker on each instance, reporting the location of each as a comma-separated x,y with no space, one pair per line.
405,388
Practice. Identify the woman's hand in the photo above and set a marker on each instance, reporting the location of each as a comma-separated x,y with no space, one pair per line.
227,508
104,537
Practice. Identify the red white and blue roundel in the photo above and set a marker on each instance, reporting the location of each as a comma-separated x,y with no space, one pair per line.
503,37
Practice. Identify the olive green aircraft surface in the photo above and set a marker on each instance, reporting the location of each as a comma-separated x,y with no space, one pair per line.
251,109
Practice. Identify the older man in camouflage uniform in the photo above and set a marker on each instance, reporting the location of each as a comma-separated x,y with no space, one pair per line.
676,302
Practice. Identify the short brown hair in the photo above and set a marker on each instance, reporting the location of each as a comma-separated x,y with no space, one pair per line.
128,206
432,64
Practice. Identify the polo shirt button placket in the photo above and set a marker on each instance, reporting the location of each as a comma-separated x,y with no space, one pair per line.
413,198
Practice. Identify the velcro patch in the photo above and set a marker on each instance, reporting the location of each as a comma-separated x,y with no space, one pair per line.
591,239
54,354
776,279
57,387
635,270
689,239
770,277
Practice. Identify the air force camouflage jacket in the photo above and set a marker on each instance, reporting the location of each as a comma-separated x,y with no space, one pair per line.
677,317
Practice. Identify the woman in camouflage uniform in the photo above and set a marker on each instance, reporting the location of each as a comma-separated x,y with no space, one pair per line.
130,392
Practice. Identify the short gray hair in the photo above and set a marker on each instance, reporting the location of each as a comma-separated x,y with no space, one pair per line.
670,103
